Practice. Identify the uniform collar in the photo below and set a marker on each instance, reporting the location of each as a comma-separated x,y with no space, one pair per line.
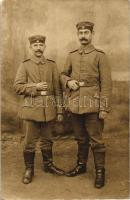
38,60
89,48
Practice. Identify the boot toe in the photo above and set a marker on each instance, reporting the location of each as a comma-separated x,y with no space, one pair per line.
61,172
71,173
53,170
27,177
76,171
26,180
68,174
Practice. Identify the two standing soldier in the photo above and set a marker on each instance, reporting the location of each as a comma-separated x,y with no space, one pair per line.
86,81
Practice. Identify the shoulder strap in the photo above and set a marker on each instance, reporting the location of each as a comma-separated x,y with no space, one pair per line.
100,51
51,60
73,51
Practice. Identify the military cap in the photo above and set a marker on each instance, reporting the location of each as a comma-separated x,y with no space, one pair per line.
86,24
37,38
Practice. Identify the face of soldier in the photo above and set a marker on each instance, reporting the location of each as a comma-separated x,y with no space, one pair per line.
38,48
85,36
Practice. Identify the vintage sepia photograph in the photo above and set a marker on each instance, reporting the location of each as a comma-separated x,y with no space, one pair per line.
65,99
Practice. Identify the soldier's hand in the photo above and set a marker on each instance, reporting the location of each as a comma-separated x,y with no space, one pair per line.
60,117
102,115
41,86
73,84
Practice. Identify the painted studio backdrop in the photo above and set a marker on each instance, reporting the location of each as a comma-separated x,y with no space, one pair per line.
56,20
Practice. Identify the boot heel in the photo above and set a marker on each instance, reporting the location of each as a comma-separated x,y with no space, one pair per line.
45,168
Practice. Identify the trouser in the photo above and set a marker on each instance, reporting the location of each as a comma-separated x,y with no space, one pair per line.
88,130
35,131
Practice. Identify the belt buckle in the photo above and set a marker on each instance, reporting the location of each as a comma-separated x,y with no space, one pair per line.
81,83
43,93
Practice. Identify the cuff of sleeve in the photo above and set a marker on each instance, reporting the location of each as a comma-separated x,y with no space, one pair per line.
34,91
31,91
66,82
31,85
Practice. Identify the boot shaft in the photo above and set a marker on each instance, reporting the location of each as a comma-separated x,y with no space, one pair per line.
99,160
83,151
29,159
47,156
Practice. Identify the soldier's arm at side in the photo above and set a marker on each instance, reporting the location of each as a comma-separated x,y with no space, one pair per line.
20,84
65,75
105,83
57,90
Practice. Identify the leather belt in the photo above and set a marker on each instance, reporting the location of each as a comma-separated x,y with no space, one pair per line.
87,83
44,93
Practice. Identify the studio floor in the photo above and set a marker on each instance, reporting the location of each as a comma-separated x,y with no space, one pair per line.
47,186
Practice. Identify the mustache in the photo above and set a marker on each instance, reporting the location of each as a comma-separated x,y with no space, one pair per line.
83,39
39,51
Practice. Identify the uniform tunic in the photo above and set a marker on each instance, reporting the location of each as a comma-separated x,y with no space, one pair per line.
89,65
36,107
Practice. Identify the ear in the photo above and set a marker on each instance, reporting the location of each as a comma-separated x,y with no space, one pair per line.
77,33
44,46
93,32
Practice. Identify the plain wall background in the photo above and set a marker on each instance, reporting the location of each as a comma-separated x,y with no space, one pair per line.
57,19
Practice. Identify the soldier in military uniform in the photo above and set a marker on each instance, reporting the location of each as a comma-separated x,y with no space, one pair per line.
86,80
37,80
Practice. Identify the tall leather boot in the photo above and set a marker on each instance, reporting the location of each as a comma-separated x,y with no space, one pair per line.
83,151
48,165
99,160
29,166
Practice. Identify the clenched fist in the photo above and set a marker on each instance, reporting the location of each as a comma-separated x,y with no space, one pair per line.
60,117
41,86
102,115
73,85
